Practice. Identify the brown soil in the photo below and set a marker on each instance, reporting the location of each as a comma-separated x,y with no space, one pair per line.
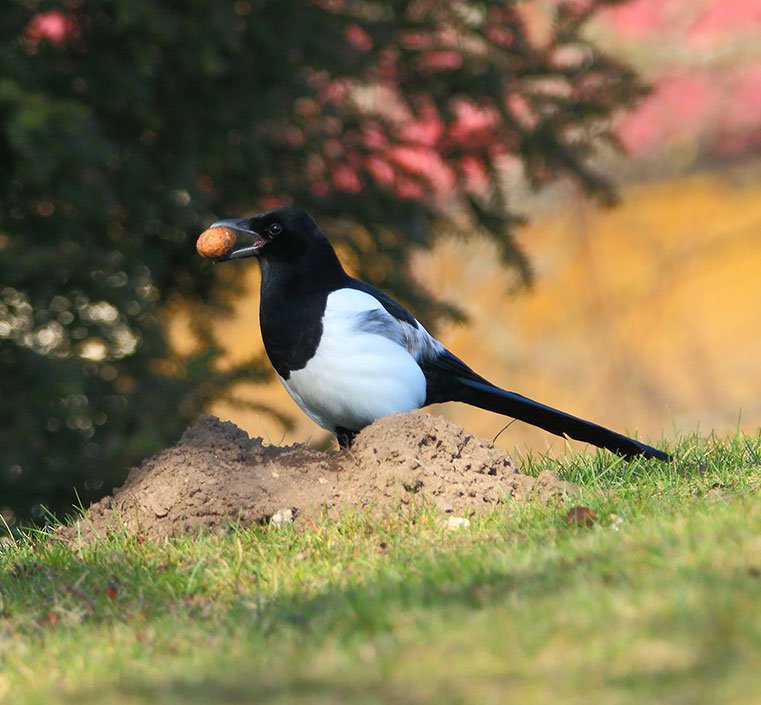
216,475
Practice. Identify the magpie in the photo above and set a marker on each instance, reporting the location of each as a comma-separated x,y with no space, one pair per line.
347,353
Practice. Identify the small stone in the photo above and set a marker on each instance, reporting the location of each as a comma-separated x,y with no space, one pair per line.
282,517
458,523
160,509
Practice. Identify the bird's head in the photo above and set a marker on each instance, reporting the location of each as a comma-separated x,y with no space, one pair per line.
283,233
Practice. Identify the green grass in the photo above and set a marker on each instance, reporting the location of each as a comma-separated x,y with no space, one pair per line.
658,602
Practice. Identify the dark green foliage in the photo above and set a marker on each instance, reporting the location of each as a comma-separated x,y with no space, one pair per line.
126,127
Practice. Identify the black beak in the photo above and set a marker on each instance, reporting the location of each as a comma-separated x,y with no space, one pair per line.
249,242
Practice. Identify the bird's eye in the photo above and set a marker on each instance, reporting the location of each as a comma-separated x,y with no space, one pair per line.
275,229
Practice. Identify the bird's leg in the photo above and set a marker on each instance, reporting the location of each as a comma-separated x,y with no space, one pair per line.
345,437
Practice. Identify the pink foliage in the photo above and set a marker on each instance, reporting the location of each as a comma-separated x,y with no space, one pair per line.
335,91
358,38
723,18
380,170
712,107
428,130
346,179
474,174
424,163
409,188
53,26
272,201
474,125
709,108
715,104
641,18
679,107
745,107
739,124
436,61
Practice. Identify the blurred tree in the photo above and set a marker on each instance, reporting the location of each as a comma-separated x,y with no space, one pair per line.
126,127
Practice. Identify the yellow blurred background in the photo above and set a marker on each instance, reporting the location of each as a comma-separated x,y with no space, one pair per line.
644,317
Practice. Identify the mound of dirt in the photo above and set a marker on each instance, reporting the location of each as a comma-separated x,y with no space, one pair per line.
216,474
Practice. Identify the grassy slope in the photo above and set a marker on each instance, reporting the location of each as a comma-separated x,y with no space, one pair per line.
660,602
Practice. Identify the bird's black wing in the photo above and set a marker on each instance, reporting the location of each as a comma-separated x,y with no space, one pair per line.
450,379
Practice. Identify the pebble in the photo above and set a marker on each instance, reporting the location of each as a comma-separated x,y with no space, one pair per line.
282,517
457,523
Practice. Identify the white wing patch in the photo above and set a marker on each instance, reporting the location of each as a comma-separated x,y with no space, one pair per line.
365,367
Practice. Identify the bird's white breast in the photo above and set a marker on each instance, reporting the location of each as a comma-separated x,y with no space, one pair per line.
358,373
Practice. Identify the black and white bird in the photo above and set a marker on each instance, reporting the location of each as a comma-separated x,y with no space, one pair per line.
348,353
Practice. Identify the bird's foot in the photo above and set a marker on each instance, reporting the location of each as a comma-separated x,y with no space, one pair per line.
345,437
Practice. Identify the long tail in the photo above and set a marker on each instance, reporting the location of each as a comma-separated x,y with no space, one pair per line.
462,384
